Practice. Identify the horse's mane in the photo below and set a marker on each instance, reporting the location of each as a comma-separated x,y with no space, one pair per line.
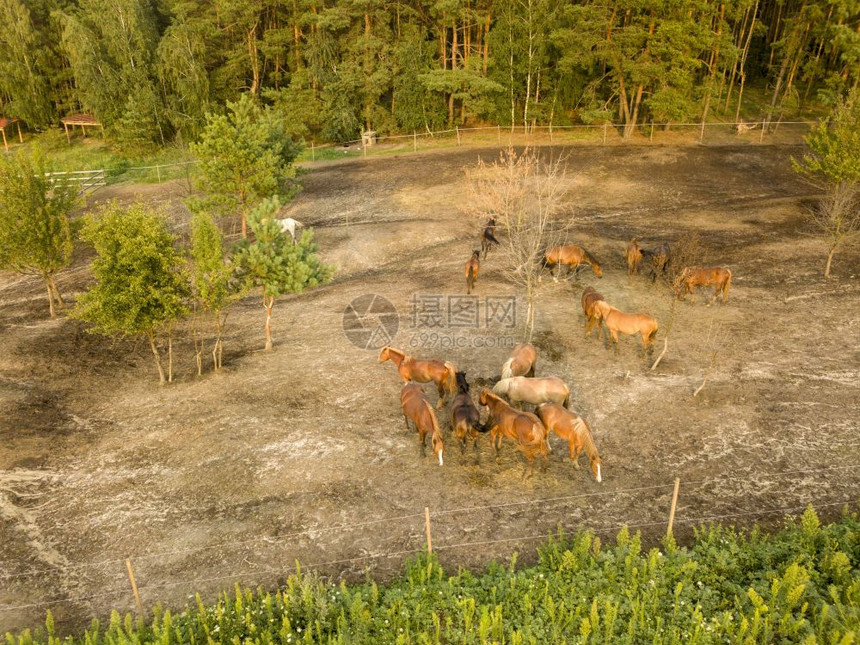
589,257
507,371
587,440
432,417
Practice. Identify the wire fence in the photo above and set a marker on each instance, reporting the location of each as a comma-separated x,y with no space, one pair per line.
439,530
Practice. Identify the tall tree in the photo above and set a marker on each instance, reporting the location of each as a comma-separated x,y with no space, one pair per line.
35,231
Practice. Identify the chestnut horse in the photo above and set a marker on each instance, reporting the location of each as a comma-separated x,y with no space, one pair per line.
416,408
523,428
522,361
534,390
575,430
471,271
617,321
443,374
488,236
465,418
571,257
702,277
634,258
590,297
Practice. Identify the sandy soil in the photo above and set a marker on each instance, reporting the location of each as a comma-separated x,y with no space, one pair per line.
233,476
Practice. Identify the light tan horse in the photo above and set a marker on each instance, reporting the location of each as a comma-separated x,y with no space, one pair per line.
523,428
619,322
702,277
522,361
471,271
575,430
634,258
570,257
443,374
590,297
520,389
416,408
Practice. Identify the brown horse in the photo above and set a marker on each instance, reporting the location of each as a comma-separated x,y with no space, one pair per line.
702,277
575,430
617,321
488,236
416,408
465,418
522,361
634,258
443,374
571,257
471,270
523,428
660,257
589,297
520,389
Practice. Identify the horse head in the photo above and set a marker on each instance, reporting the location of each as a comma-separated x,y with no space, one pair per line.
476,254
438,445
462,383
594,462
384,355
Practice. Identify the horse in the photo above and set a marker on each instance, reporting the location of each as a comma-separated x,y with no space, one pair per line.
590,296
575,430
534,390
443,374
571,257
523,428
471,270
416,408
617,321
465,418
634,258
488,236
660,257
522,361
288,225
702,277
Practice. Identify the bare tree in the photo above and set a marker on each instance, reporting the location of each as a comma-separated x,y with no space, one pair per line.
715,341
524,193
837,215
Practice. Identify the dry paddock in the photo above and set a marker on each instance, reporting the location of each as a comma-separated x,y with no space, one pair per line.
302,453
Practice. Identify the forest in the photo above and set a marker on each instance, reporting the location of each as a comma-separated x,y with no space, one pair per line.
150,70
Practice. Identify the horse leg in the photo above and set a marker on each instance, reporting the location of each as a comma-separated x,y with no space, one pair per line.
441,389
421,434
531,371
614,334
574,453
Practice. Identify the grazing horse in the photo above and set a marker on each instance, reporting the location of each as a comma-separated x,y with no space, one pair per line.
590,297
443,374
471,271
288,225
520,389
523,428
634,258
522,361
465,418
702,277
571,257
617,321
575,430
417,409
660,257
488,236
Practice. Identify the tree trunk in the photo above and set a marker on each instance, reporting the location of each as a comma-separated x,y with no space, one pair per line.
487,43
155,353
268,303
217,350
830,255
170,355
742,72
50,298
255,60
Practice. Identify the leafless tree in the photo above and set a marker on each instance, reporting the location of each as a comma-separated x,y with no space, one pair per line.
715,341
837,215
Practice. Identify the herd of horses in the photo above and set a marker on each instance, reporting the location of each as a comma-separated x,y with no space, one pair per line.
517,384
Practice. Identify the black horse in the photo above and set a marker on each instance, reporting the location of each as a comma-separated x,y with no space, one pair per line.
488,236
465,418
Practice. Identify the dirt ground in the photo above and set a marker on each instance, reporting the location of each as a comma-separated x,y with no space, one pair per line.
301,453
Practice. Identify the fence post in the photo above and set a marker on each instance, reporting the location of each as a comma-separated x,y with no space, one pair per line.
457,127
605,127
499,127
313,152
364,145
427,528
651,137
414,142
158,173
550,132
134,586
702,133
672,507
761,136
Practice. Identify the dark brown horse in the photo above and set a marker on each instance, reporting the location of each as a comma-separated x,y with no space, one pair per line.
471,270
660,257
575,430
522,361
488,236
417,409
465,418
702,277
570,257
443,374
590,297
523,428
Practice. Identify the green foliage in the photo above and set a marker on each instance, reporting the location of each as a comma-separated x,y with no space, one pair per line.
727,588
211,272
834,144
35,229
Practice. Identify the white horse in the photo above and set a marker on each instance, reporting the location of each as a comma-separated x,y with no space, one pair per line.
289,225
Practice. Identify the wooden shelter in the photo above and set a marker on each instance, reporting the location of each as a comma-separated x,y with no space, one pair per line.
83,120
5,123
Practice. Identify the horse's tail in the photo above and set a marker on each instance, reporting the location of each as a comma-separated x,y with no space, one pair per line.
507,371
566,402
653,333
727,285
490,237
470,279
450,378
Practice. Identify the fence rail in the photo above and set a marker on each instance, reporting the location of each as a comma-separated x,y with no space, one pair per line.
85,179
